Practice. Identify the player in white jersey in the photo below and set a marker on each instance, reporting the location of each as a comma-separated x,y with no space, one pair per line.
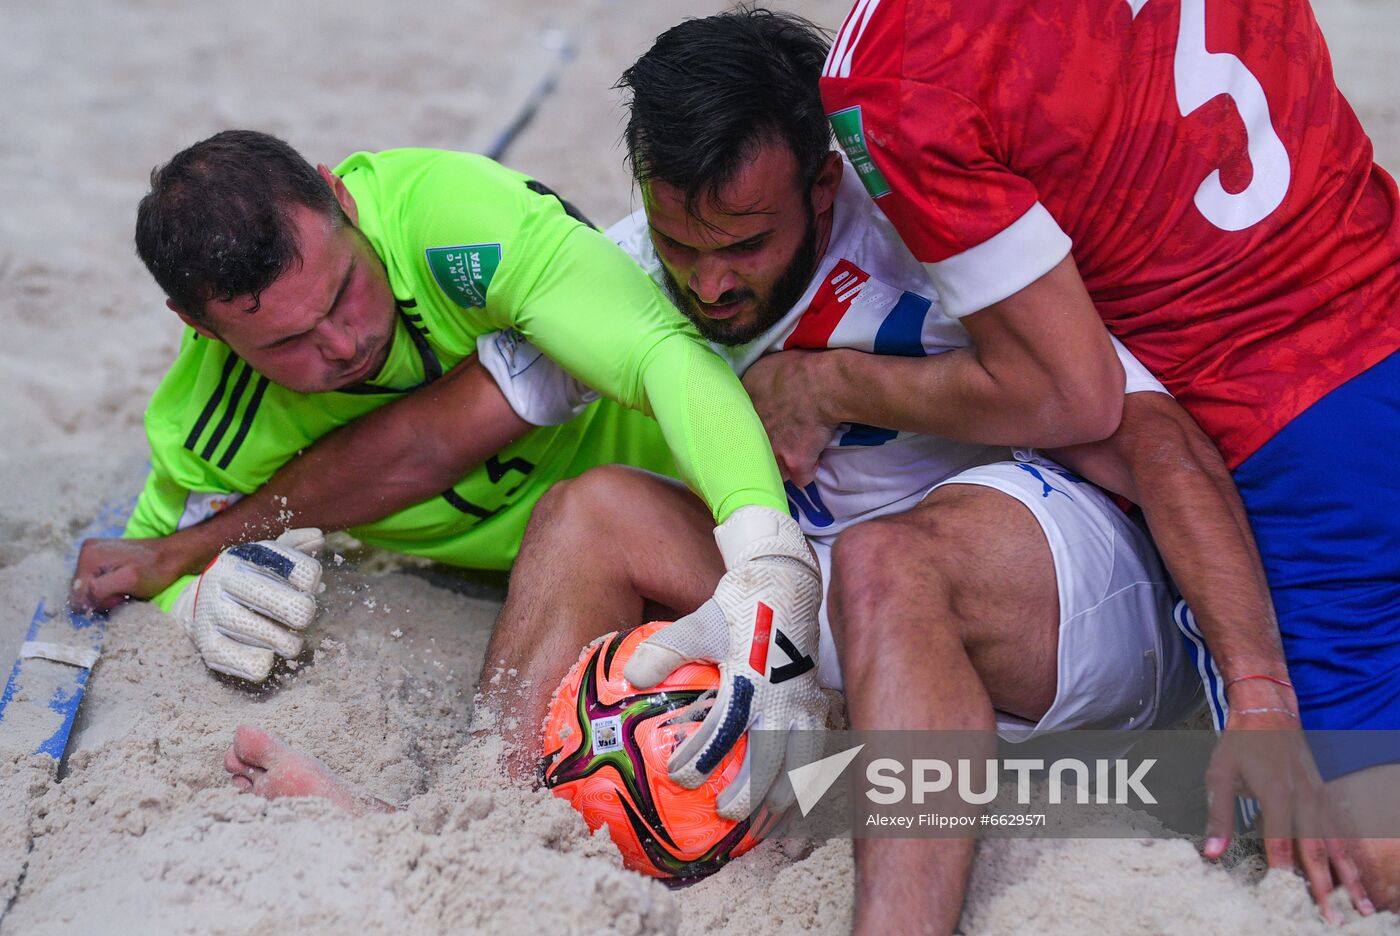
971,584
868,293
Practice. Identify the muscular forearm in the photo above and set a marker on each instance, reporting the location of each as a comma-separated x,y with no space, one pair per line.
1041,371
388,460
952,395
1161,460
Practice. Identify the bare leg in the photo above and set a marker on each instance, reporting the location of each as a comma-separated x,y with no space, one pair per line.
966,619
263,765
598,549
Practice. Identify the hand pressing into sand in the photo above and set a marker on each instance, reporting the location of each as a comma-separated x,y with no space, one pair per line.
253,603
110,571
262,765
1263,752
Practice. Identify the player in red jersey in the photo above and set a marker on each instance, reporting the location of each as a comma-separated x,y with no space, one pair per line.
1187,172
1221,207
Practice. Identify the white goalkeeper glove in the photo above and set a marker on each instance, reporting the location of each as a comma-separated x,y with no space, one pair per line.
761,629
252,602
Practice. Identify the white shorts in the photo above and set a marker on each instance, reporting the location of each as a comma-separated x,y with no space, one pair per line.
1122,662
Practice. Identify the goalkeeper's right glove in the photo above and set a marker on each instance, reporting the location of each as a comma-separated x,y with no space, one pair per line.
252,602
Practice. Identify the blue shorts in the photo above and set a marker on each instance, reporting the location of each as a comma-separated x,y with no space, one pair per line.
1323,497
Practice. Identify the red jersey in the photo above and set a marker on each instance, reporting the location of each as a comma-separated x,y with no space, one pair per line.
1195,156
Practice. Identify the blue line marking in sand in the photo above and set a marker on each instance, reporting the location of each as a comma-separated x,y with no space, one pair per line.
66,698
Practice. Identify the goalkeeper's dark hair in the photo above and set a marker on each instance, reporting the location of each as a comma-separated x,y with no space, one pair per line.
711,90
217,225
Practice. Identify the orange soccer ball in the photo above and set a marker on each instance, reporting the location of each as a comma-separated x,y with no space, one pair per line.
606,744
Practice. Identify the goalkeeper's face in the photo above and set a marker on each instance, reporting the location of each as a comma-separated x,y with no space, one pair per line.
737,262
324,324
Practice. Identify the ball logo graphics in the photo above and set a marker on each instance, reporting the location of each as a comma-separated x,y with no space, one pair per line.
606,746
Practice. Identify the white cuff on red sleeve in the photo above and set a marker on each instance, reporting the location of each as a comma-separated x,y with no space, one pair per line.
1001,266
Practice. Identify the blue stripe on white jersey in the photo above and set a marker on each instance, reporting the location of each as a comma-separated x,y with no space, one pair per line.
902,331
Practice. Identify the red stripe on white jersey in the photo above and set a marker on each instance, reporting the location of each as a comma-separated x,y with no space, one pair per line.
828,307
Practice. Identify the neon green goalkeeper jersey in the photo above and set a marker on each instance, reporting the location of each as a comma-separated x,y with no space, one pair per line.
471,247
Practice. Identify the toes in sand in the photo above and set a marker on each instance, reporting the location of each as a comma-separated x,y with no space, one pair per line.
263,765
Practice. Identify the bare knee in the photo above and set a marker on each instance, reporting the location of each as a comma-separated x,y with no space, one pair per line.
590,505
877,568
624,527
927,548
861,567
968,568
886,562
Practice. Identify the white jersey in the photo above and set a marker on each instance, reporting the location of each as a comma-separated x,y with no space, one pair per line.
868,294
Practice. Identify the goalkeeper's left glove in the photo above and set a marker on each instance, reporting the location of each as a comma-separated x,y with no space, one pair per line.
761,629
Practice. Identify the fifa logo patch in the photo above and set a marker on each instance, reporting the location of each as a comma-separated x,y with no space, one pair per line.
850,136
607,734
463,273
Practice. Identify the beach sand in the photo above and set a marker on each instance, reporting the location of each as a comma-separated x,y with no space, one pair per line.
143,833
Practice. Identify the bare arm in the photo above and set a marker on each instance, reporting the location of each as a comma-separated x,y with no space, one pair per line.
387,460
1162,461
392,458
1041,372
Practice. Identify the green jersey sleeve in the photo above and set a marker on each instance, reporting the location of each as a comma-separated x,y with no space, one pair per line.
157,513
598,314
481,241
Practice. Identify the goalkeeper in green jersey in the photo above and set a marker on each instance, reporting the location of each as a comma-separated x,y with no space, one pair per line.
345,307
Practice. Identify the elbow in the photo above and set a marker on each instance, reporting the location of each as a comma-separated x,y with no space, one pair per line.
1105,389
1100,418
1097,400
425,478
1082,415
1069,406
419,470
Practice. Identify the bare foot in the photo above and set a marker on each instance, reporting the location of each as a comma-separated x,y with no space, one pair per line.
263,765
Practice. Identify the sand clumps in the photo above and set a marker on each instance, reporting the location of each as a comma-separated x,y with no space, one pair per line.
145,834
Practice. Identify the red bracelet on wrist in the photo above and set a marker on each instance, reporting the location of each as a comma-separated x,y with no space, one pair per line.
1273,679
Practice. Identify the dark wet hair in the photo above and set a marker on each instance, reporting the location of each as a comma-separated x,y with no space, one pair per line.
711,90
216,223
